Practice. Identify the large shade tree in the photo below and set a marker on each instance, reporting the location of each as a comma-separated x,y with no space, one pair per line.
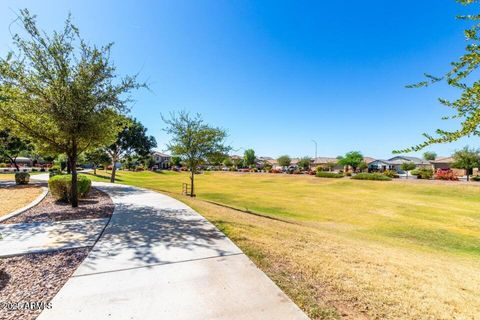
194,141
351,159
61,92
462,77
132,139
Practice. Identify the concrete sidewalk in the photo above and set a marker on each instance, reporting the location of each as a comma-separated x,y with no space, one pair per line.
159,259
22,238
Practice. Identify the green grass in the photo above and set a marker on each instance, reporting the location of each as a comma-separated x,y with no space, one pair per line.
424,216
343,248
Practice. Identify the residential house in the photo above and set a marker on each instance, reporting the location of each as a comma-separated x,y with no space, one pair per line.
162,160
395,164
446,163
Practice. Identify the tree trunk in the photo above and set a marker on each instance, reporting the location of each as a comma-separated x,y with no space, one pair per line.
468,176
114,169
69,166
94,169
192,180
73,167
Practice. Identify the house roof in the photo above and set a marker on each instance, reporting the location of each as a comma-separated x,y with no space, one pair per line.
443,160
160,154
367,160
402,159
324,160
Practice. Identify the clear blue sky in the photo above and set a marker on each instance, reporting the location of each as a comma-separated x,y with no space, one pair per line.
278,74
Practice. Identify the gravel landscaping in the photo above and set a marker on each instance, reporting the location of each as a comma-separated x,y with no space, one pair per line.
34,279
96,205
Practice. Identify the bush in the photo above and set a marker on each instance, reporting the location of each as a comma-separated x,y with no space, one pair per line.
476,178
3,165
22,178
321,174
348,174
371,176
60,186
422,173
446,175
390,173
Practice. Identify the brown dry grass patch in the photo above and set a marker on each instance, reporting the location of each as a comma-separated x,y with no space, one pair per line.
331,277
14,198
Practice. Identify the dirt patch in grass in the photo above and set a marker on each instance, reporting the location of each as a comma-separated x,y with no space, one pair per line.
96,205
35,278
16,197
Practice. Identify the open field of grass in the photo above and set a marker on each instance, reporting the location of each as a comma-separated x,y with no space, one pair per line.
346,248
14,198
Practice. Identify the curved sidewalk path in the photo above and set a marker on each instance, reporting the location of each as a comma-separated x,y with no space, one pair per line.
159,259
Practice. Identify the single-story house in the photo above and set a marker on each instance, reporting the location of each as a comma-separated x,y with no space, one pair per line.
326,163
162,160
396,162
446,163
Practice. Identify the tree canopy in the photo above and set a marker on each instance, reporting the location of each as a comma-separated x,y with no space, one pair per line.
249,157
460,76
468,159
304,163
60,92
97,157
284,161
429,155
352,159
194,141
407,166
132,139
11,147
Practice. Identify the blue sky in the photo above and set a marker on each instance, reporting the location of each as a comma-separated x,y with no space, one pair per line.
277,74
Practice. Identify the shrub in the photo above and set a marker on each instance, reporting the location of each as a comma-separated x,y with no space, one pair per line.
476,178
390,173
3,165
371,176
321,174
446,175
422,173
55,167
60,186
22,178
348,174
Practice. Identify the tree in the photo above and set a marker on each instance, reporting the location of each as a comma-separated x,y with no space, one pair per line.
238,162
461,76
304,163
407,166
249,157
175,161
467,159
132,139
61,93
284,161
352,159
331,165
194,141
228,162
429,156
216,159
11,147
362,166
97,157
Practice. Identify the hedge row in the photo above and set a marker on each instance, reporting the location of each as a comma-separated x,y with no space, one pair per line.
371,176
322,174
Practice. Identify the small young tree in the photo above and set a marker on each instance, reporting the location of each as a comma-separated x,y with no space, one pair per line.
249,157
352,159
284,161
216,159
238,163
467,159
331,165
407,166
11,147
132,139
60,92
175,161
429,156
97,157
193,140
363,166
304,163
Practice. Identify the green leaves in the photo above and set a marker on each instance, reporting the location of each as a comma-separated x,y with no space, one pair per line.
467,106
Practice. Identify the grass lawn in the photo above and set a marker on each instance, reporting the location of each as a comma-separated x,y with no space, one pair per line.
346,248
14,198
